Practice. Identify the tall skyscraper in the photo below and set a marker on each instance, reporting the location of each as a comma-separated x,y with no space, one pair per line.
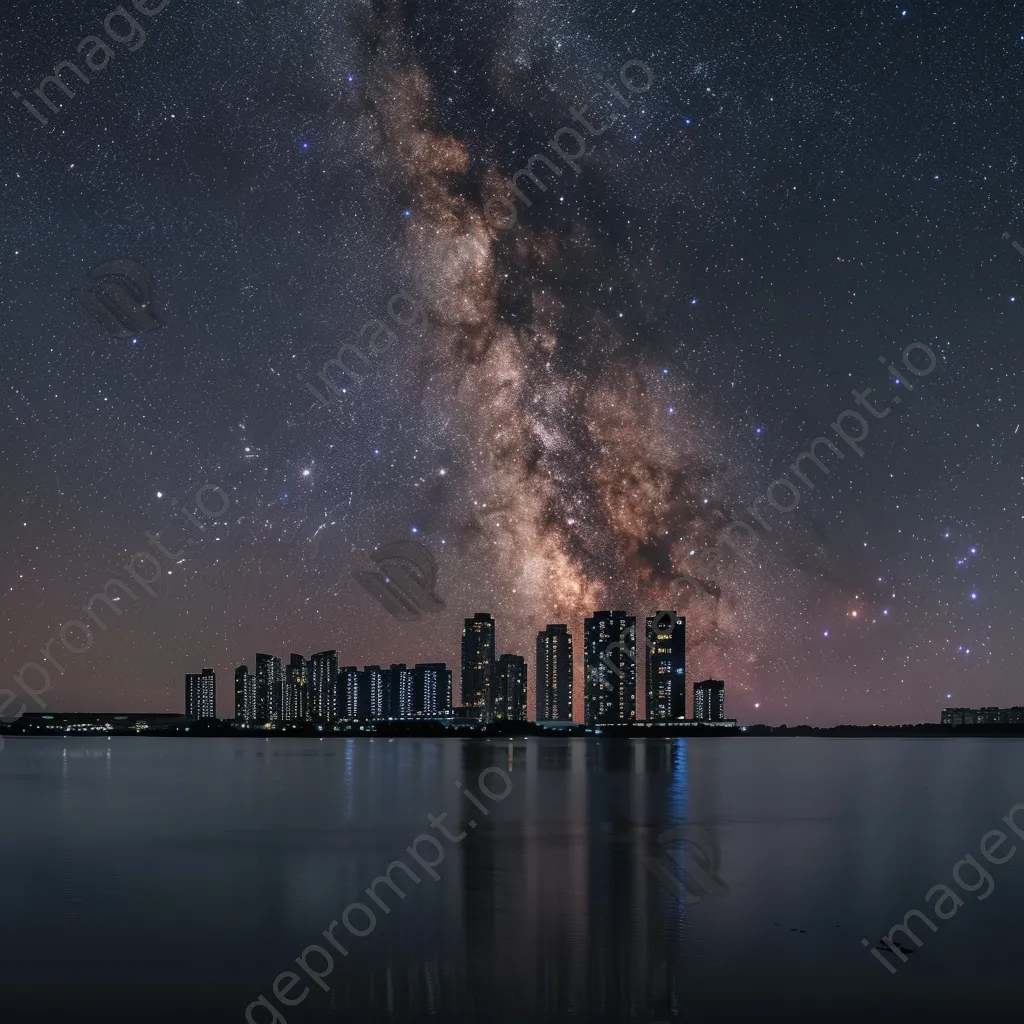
554,674
666,667
348,694
609,660
709,701
323,686
372,683
296,691
201,694
245,694
268,688
433,690
508,687
477,660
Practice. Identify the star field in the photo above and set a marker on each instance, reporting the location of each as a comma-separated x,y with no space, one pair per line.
589,396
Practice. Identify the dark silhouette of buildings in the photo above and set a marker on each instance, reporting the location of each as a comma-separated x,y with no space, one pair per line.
509,689
201,694
399,687
372,682
295,696
314,691
348,693
554,673
709,701
666,667
609,668
477,661
983,716
433,690
268,688
245,694
323,686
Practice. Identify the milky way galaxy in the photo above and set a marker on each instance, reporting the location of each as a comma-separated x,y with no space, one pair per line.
576,491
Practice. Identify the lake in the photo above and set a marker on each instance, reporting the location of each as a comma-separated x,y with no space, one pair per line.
152,880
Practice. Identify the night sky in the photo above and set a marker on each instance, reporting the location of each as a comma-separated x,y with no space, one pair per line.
589,395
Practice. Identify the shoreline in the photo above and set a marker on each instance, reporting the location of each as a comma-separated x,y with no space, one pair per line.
117,724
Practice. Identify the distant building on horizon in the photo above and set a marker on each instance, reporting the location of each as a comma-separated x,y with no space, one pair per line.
477,660
709,701
554,674
983,716
609,663
666,667
201,694
509,689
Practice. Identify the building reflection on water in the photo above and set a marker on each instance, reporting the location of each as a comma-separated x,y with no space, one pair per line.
550,909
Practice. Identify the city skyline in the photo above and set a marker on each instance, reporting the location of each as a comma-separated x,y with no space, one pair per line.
495,688
638,680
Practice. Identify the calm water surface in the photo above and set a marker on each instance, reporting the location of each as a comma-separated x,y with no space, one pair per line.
157,880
